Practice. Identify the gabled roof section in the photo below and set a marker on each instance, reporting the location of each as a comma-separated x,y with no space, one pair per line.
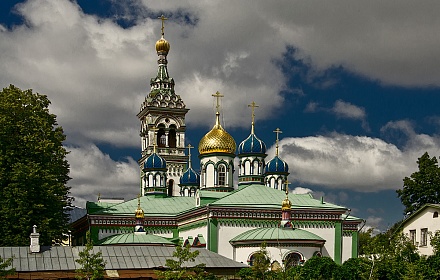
415,214
152,206
260,196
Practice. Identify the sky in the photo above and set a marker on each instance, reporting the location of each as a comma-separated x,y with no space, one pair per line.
353,85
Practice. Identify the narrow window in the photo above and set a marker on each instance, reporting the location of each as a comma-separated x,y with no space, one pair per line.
221,175
424,237
412,236
435,215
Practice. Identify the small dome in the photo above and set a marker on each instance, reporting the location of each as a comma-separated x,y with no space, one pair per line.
154,161
286,204
190,178
276,165
252,145
162,46
139,213
217,141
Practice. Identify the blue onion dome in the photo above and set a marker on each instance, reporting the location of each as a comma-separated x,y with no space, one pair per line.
252,145
190,178
276,165
155,161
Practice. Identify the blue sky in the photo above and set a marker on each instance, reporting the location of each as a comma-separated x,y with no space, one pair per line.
353,85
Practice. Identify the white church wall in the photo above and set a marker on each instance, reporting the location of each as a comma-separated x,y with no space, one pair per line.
328,234
194,232
346,247
226,233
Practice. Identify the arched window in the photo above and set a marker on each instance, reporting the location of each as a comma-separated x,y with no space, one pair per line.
170,187
435,215
172,136
161,138
292,259
221,171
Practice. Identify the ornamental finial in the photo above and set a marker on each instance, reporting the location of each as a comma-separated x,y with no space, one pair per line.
217,95
163,18
253,105
154,129
189,155
277,131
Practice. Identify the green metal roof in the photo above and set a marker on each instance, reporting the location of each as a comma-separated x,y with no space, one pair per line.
212,194
283,235
152,206
260,196
136,238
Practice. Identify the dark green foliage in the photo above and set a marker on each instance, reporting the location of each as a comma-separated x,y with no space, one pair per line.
317,268
33,170
422,186
177,269
92,264
354,269
4,270
261,262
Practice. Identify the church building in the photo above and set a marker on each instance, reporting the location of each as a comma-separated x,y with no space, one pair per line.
207,209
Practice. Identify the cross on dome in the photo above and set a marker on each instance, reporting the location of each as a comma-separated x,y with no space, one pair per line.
277,131
253,105
189,154
217,95
163,18
154,129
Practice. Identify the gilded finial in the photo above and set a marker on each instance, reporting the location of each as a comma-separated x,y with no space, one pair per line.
253,105
287,183
277,131
286,204
217,95
139,213
163,18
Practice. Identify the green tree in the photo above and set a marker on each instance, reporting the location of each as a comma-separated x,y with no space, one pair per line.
422,186
177,268
33,169
318,268
92,264
4,270
260,262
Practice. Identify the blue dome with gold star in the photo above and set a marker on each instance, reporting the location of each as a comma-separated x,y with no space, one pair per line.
276,165
155,161
252,145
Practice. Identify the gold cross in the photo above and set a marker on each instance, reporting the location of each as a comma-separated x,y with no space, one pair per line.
189,150
163,21
217,95
277,131
253,105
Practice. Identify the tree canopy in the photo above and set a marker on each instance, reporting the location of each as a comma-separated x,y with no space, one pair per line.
92,264
33,169
422,186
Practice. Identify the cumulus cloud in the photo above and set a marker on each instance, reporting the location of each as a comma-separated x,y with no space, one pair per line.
94,173
359,163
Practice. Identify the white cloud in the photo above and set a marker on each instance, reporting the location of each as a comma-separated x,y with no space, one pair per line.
301,190
349,111
358,163
94,172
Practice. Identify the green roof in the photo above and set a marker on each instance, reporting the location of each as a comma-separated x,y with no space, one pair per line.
136,238
152,206
283,235
260,196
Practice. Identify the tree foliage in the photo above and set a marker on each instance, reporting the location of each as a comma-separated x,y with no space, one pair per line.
33,169
422,186
92,264
4,270
181,268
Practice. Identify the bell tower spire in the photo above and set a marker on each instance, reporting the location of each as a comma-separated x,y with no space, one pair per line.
163,110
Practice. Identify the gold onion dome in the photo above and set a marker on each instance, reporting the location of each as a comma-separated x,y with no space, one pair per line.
286,204
162,45
217,141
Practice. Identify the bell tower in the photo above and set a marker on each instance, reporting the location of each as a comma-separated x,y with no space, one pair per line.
163,112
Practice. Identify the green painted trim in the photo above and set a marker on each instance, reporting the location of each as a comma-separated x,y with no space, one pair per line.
354,244
248,222
338,243
198,224
213,235
94,234
175,232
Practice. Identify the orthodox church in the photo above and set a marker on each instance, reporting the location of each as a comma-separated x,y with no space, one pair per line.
207,209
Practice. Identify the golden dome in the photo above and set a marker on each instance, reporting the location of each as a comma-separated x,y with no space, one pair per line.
217,141
162,46
286,205
139,213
